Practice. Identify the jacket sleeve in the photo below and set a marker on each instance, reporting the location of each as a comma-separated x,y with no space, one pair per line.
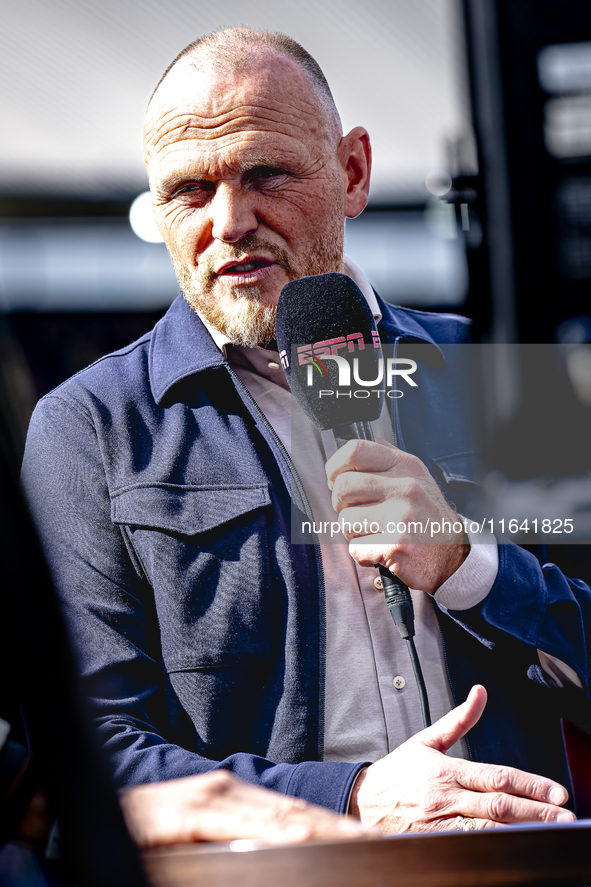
536,605
109,608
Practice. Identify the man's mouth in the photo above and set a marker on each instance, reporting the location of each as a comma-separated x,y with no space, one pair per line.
245,266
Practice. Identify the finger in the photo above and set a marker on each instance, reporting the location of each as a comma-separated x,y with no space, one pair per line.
502,808
364,455
384,549
360,488
511,781
369,551
379,521
447,730
315,826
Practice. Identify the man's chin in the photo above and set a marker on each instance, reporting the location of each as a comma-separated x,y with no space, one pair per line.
232,296
245,321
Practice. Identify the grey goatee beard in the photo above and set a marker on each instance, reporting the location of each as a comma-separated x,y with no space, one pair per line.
250,321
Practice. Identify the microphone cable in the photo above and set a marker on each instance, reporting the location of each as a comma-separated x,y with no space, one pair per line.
399,601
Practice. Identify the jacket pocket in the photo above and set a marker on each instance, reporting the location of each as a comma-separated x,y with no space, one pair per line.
187,510
205,553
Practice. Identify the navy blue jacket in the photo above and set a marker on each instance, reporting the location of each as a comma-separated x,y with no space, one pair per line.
164,501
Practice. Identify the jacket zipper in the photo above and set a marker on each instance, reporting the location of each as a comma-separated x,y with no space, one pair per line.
256,410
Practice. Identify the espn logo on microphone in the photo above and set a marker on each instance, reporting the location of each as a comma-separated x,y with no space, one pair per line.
330,348
315,356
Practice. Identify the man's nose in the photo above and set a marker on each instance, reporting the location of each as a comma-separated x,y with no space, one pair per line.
233,214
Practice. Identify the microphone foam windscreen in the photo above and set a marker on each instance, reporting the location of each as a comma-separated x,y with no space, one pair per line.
330,350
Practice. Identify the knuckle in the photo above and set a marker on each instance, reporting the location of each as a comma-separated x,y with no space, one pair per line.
536,789
499,779
340,486
498,807
547,814
354,447
289,807
218,781
408,488
415,465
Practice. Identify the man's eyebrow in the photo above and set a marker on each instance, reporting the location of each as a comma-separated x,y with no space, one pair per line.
168,183
263,163
170,180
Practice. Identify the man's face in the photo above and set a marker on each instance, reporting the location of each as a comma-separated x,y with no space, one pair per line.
248,189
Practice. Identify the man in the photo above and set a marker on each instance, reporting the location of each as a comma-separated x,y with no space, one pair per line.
161,484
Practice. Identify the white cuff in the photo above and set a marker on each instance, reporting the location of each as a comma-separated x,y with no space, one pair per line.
473,580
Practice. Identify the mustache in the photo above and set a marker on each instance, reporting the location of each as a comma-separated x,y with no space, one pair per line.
248,244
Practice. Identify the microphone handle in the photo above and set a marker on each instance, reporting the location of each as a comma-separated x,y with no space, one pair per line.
398,597
352,431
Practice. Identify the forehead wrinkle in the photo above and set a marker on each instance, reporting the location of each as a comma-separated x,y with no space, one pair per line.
245,117
243,139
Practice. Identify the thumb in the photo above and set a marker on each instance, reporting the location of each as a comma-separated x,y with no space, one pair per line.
443,733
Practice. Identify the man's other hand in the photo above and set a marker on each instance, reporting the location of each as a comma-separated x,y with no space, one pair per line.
377,486
417,788
217,806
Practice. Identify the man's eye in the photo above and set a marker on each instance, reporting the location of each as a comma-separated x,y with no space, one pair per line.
266,176
193,190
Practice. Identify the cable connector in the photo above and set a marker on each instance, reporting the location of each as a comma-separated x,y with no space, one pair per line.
399,602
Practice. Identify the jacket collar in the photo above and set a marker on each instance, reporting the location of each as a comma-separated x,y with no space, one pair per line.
180,346
399,322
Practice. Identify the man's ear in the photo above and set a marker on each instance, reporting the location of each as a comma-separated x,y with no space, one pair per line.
354,153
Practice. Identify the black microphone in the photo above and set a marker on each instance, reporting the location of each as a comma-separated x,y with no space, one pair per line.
331,352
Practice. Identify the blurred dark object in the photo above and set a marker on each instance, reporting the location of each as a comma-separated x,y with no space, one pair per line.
578,751
40,676
17,395
57,345
530,82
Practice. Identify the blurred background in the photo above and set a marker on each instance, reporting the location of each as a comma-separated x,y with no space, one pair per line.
480,116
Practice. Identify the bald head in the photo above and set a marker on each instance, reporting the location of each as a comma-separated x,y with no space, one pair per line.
239,51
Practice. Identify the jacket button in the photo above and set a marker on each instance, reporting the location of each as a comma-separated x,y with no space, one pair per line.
399,682
378,583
